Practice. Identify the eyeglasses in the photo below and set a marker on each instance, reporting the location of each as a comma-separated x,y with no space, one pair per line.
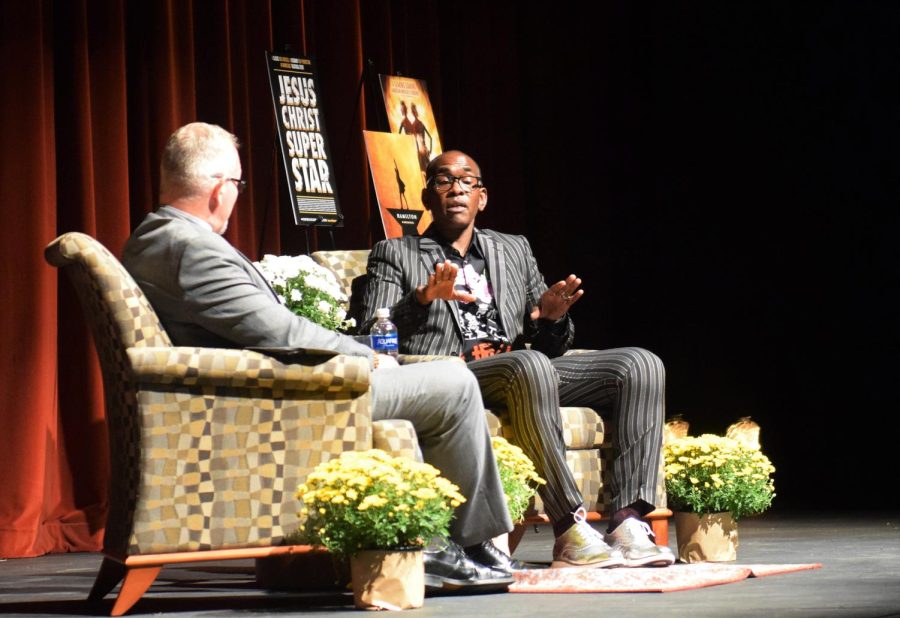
443,182
240,183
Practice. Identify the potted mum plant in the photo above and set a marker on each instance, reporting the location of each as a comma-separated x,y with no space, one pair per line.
711,482
520,482
308,289
379,511
518,476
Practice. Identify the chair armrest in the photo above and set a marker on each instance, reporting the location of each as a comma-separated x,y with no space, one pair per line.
410,359
247,369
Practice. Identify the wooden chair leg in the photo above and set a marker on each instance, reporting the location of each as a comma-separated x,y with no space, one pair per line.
137,580
138,572
515,537
111,573
660,529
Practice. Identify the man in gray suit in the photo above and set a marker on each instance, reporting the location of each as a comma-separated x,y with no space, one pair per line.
209,294
463,291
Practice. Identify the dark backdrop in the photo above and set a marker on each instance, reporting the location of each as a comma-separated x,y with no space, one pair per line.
725,178
721,176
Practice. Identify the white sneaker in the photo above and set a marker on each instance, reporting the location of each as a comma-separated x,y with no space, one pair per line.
632,539
583,547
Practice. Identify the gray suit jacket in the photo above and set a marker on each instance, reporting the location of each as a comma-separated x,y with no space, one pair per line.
208,294
397,266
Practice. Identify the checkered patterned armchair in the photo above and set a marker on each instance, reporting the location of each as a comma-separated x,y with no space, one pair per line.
588,450
207,445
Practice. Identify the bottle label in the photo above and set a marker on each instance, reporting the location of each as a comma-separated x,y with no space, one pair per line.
385,343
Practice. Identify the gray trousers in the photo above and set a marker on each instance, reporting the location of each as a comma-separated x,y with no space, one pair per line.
626,384
442,401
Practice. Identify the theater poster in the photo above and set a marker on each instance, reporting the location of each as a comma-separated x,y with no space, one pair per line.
308,165
409,113
398,183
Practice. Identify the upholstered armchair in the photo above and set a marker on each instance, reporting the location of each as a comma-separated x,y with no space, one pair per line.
207,446
589,450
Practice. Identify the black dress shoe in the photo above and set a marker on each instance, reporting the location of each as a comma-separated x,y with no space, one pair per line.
488,554
450,570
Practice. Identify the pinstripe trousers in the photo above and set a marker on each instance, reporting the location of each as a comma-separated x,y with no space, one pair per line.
626,384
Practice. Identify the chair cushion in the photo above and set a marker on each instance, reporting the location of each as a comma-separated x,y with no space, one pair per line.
397,437
346,265
493,423
582,427
585,467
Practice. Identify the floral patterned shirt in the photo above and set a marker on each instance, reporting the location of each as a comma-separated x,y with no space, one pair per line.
482,333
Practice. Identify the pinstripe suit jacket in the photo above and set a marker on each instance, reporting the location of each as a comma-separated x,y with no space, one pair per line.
398,265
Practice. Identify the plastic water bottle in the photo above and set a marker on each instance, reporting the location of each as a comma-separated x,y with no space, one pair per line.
384,333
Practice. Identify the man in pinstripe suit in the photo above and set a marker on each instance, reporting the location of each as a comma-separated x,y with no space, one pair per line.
461,291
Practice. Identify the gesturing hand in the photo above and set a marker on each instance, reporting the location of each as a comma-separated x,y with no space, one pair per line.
442,284
557,299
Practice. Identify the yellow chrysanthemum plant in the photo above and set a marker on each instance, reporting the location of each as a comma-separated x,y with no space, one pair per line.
713,474
518,476
370,500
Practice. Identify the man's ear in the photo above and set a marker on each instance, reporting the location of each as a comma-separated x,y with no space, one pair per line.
482,199
215,197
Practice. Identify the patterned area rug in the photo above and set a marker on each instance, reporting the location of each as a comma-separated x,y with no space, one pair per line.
670,579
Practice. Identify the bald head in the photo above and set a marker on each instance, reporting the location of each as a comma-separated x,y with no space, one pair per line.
447,158
195,155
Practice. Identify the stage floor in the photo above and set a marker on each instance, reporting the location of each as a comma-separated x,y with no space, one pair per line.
860,577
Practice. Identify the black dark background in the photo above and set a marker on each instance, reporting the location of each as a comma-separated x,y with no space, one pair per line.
723,178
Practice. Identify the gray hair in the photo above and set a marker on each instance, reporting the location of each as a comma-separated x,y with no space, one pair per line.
194,154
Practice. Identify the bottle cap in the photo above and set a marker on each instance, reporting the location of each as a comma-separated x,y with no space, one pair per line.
382,312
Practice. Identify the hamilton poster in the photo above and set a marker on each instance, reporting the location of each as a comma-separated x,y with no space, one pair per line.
409,113
307,159
398,183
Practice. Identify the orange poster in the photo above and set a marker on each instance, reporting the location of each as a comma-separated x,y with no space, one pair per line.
409,113
398,183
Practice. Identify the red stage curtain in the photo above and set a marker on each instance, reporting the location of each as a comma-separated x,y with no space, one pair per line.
30,456
90,91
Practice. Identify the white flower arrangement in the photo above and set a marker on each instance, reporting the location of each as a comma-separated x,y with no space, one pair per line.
308,289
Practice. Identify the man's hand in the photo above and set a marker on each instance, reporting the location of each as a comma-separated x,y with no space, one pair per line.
385,361
442,284
555,302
